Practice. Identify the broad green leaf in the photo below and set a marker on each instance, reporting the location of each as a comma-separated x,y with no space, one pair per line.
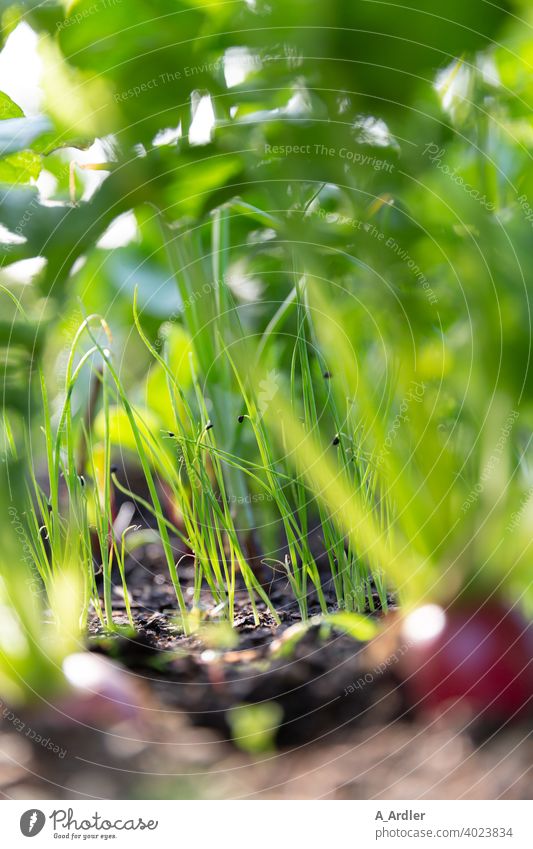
20,167
254,726
19,133
361,628
8,108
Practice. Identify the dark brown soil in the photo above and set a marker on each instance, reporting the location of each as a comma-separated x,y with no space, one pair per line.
308,680
345,728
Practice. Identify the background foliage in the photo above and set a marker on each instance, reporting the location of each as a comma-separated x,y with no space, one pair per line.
355,177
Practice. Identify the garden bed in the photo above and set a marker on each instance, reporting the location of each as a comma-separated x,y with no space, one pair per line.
315,673
344,728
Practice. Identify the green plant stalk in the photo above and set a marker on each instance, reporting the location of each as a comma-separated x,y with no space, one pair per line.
145,465
193,517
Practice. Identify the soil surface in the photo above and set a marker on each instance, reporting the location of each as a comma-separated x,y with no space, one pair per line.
341,724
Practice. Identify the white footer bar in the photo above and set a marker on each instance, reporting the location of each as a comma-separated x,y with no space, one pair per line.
267,824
